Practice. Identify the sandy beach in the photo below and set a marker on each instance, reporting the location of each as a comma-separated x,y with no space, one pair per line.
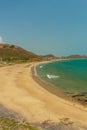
21,93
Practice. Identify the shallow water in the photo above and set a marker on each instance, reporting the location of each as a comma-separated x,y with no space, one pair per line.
68,75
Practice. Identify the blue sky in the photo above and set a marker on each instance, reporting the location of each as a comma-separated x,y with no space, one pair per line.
57,27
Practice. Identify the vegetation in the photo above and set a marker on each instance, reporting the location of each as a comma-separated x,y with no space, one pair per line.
11,124
10,53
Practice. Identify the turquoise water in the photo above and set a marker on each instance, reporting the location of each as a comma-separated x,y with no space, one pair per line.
68,75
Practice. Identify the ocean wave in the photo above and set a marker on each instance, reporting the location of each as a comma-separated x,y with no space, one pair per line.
40,66
52,76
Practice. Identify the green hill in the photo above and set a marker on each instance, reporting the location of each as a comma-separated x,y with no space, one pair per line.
10,52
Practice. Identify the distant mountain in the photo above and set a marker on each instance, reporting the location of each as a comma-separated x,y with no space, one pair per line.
48,57
77,56
13,52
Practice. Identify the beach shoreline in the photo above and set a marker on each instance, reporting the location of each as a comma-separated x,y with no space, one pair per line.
21,93
55,90
49,87
52,88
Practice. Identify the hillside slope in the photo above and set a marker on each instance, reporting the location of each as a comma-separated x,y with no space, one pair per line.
13,52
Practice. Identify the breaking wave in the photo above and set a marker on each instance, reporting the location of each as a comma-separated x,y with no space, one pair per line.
41,66
52,76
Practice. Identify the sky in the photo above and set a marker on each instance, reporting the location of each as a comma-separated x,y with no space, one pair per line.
56,27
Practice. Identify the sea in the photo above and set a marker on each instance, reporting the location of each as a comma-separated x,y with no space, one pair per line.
70,76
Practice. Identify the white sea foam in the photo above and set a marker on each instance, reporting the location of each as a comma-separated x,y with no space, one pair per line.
41,66
52,76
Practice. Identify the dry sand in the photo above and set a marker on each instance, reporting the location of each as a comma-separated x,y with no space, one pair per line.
21,93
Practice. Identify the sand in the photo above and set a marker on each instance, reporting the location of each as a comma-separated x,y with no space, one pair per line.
21,93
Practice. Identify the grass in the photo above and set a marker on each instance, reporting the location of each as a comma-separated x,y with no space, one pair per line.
11,124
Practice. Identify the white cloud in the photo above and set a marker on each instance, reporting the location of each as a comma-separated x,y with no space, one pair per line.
1,39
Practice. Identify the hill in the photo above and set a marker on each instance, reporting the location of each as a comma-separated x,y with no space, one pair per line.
77,56
9,52
49,57
74,56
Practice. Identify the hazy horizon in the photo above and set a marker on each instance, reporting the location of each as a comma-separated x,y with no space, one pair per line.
45,27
